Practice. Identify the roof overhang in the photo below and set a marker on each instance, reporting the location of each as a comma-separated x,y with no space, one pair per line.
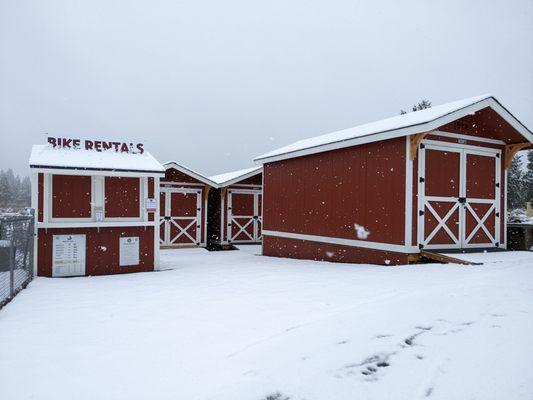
407,130
190,172
50,169
242,177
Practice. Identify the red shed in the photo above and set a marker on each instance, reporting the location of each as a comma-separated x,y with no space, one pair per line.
382,192
183,205
236,207
95,206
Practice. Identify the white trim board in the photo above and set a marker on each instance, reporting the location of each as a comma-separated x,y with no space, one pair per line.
395,248
403,131
173,164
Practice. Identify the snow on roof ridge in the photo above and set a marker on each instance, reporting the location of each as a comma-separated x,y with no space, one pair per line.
221,179
46,156
388,124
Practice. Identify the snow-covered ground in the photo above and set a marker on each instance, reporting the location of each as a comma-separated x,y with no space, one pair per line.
235,325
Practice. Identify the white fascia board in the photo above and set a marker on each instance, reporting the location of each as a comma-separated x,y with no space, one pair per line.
395,248
409,130
187,171
90,172
241,177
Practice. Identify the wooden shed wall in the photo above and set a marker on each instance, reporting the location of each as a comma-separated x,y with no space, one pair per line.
326,194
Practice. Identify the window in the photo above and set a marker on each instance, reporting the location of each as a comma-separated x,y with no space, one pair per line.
122,197
71,196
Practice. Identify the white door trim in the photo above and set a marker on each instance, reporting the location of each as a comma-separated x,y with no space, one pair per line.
254,220
424,202
169,220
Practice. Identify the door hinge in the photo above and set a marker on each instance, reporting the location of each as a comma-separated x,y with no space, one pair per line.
420,246
421,180
198,226
198,209
497,185
497,244
420,213
497,155
422,146
462,200
497,215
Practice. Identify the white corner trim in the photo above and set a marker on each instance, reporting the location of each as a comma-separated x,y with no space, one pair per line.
396,248
408,220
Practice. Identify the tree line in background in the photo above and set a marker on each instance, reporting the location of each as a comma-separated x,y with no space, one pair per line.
15,192
520,182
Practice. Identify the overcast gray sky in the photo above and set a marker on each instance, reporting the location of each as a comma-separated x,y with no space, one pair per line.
211,84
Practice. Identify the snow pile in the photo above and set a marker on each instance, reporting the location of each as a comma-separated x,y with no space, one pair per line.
235,325
519,216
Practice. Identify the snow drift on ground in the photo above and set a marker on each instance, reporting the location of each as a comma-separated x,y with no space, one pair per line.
234,325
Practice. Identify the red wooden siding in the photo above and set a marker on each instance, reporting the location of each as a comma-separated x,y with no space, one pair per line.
102,255
484,123
327,193
122,197
173,175
291,248
253,180
71,196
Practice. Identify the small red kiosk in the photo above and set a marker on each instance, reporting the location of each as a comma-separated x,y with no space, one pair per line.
95,207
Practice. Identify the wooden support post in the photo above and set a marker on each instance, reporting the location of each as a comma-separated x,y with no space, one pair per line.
511,150
415,142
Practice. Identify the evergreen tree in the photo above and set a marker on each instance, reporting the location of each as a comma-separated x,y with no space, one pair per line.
421,105
14,191
515,184
528,178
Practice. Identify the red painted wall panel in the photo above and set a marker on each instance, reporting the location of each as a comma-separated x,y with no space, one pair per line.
326,194
102,254
122,197
71,196
300,249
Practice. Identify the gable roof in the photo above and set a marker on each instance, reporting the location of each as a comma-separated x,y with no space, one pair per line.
400,125
229,178
190,172
44,156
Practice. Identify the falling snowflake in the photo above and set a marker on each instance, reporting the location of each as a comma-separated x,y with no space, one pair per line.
361,232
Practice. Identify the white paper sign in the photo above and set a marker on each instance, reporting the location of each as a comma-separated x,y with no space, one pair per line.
129,251
68,255
151,204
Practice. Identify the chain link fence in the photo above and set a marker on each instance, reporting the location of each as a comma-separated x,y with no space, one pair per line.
16,255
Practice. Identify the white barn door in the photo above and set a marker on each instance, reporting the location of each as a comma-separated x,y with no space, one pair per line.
244,216
459,196
181,216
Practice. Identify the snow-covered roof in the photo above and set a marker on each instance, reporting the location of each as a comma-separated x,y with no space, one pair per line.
235,176
46,157
190,172
400,125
